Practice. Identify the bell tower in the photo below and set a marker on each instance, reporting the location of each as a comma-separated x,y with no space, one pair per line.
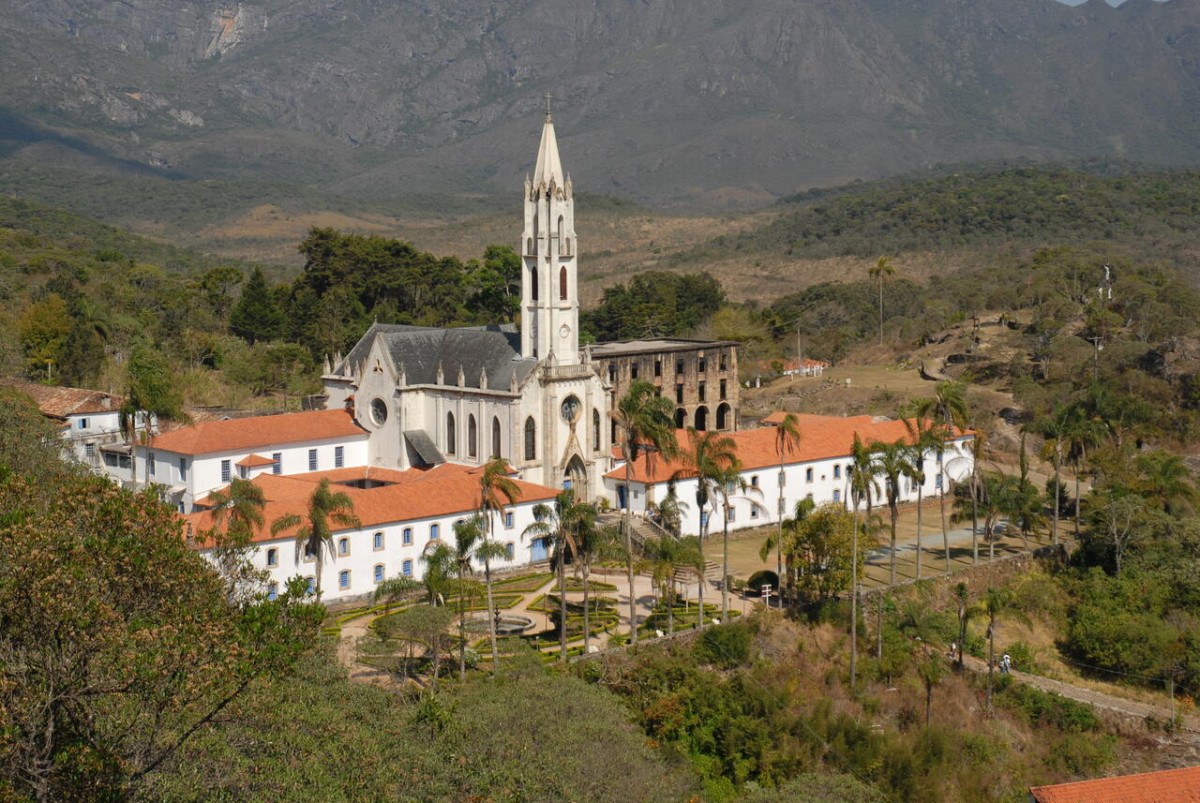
549,285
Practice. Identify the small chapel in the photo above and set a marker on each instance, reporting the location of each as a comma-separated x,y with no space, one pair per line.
428,396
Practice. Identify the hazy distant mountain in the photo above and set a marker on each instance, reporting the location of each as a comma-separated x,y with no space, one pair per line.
659,100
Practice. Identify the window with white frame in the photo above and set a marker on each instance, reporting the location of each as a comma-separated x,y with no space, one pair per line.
277,464
312,459
83,423
339,456
89,451
508,520
226,470
406,536
731,513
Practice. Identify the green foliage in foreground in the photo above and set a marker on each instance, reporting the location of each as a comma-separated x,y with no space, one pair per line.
528,737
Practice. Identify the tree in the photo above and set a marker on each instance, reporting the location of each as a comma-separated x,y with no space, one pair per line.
314,535
118,643
931,670
496,492
438,559
787,439
711,458
593,543
237,513
892,462
497,284
666,556
468,538
925,437
862,488
423,624
44,327
217,283
647,426
152,394
394,589
948,406
1082,433
1165,481
1118,519
256,315
562,523
965,611
881,271
996,602
1054,429
829,544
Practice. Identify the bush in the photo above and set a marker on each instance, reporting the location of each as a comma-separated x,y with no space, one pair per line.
1042,708
726,646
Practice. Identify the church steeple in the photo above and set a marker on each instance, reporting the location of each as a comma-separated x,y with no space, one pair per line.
549,286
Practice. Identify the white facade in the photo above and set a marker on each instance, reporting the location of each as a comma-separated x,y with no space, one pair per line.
825,480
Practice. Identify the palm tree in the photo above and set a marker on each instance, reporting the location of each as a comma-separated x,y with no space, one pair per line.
666,555
948,407
881,270
647,425
931,670
1082,433
862,487
562,523
965,612
593,542
711,458
326,507
1166,480
1054,429
496,492
925,437
892,462
438,558
996,602
787,439
468,537
238,510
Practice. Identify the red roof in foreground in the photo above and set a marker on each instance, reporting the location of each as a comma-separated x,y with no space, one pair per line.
258,431
1167,786
445,490
821,437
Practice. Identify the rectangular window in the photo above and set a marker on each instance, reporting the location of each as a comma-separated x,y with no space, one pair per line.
703,367
83,423
378,541
272,591
272,557
754,481
343,546
183,469
679,394
344,579
721,361
837,472
701,391
339,456
808,475
633,370
612,373
722,390
89,451
407,568
731,513
510,552
754,511
378,572
312,459
243,471
938,482
153,464
226,471
435,531
658,367
837,495
277,465
110,460
679,367
508,520
406,536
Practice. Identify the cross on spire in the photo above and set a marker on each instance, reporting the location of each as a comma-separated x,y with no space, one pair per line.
548,118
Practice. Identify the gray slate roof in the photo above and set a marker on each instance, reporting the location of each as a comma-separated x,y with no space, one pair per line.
420,349
424,446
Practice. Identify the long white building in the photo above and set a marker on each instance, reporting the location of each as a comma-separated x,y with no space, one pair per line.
818,468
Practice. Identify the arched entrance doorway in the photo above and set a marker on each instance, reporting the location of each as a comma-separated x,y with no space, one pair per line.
723,416
575,478
701,418
680,418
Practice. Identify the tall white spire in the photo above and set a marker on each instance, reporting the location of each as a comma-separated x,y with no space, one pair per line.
549,166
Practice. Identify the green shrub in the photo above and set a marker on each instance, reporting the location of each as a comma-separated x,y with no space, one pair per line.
726,646
1042,708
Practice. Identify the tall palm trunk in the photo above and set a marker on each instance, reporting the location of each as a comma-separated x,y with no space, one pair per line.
974,516
991,656
671,603
633,623
587,626
779,534
700,574
942,505
854,601
462,628
1057,498
562,608
920,495
725,564
895,513
1077,462
491,608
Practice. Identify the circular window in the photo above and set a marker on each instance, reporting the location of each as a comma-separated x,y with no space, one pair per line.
570,409
379,412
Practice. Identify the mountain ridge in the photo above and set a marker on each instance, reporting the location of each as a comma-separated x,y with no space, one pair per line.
707,102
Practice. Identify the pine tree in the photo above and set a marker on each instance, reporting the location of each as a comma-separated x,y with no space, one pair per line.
256,316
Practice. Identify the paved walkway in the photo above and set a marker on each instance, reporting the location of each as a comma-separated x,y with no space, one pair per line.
1096,699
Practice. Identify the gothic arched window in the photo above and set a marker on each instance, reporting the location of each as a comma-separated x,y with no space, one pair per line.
472,437
595,430
562,284
533,283
530,439
563,245
450,433
495,437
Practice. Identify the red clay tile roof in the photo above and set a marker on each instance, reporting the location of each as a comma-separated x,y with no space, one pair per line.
259,431
255,461
446,490
821,437
1167,786
60,402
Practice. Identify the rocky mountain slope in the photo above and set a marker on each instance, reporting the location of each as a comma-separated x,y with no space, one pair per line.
665,101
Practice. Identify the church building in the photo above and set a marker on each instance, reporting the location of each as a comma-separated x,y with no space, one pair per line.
428,396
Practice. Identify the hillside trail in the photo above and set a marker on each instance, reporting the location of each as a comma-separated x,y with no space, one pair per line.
1096,699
